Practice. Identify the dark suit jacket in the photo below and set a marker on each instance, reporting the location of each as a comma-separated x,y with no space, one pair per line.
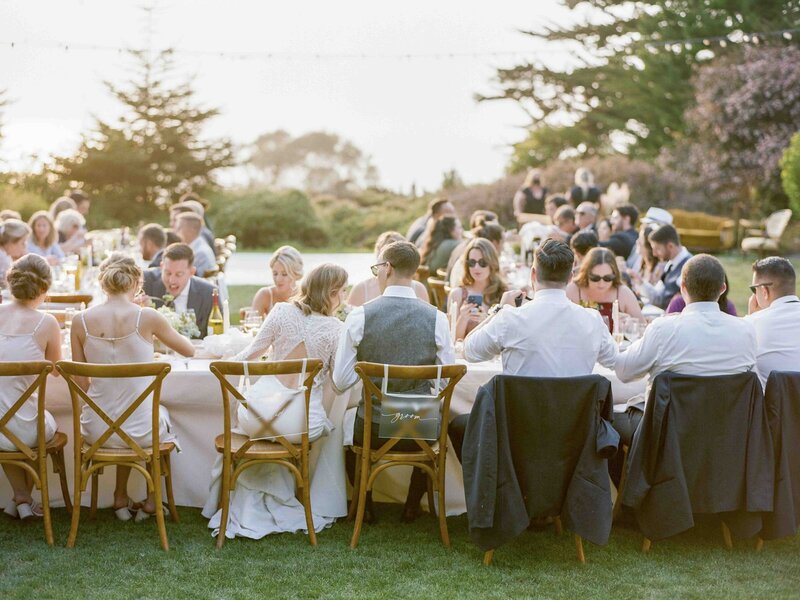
703,446
200,296
156,262
532,449
672,284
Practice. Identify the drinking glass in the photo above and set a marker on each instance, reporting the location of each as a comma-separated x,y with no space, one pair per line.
252,321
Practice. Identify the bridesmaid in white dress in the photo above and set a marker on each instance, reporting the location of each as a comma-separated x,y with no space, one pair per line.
26,335
264,501
103,335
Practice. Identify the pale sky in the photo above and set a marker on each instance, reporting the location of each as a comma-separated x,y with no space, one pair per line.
416,117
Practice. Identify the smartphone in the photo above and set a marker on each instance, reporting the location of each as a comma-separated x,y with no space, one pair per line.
476,299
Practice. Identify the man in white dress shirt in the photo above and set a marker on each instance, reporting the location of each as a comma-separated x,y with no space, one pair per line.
188,226
774,311
395,328
702,340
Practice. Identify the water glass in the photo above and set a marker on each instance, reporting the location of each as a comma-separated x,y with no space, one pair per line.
252,321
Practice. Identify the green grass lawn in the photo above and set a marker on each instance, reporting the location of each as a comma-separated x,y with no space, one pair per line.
124,560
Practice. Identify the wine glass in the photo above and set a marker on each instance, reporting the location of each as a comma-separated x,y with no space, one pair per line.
252,321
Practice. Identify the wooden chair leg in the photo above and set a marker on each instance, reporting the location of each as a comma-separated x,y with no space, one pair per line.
156,475
646,543
351,513
76,504
579,548
442,508
60,467
618,502
431,503
95,488
362,498
558,526
173,510
224,498
726,536
487,557
306,482
48,524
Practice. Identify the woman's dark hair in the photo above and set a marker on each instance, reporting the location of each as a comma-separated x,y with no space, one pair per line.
597,256
491,231
723,299
583,242
438,231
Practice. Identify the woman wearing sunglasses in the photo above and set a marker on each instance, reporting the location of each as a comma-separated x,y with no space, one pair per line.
481,286
598,284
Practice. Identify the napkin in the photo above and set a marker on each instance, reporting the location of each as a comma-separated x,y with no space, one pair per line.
228,344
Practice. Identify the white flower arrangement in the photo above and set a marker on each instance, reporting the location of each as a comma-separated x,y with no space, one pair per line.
180,322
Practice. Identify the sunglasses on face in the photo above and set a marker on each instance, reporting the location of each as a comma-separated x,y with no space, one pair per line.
596,278
472,262
753,288
374,268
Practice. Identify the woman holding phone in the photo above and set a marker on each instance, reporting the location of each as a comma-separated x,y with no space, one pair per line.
481,286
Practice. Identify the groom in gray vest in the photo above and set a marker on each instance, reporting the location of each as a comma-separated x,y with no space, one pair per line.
395,328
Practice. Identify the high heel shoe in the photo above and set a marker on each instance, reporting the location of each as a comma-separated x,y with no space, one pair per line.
143,515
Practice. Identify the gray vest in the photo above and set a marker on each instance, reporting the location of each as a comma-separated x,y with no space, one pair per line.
399,331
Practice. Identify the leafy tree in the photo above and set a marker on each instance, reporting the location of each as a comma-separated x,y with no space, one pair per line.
153,153
790,172
318,161
747,110
626,91
451,180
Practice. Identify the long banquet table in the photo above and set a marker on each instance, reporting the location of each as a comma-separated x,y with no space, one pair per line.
192,395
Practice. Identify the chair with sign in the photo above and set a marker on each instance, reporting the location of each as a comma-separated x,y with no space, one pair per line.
423,419
240,452
34,460
90,459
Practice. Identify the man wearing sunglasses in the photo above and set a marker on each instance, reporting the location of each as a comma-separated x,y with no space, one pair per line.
774,311
395,328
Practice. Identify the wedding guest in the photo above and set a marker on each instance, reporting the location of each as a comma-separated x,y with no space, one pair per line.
368,289
71,227
603,229
586,216
172,237
188,226
26,334
584,189
176,279
564,222
443,237
103,334
581,243
287,269
264,501
481,217
437,208
44,239
666,244
623,231
481,281
194,207
396,328
61,204
152,241
774,312
548,336
200,206
599,283
677,304
7,214
553,203
702,340
491,231
530,197
654,218
648,268
13,244
82,201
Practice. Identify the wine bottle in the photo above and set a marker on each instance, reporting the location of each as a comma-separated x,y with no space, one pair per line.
215,322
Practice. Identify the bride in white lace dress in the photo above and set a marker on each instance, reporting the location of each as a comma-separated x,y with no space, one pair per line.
264,501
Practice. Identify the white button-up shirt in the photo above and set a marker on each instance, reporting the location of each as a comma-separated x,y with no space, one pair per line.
344,374
778,336
204,259
702,340
182,300
548,337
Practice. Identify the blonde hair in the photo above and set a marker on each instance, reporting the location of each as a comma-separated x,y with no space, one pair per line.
12,231
318,287
61,204
29,277
52,236
289,258
119,274
386,238
497,286
68,218
194,221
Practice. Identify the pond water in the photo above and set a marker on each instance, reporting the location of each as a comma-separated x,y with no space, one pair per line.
252,268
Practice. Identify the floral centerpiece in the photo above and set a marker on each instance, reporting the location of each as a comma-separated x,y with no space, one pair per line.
183,323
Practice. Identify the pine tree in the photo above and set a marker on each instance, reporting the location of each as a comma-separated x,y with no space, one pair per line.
630,89
154,152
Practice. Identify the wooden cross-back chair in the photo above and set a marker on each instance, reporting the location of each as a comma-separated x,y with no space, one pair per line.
239,452
69,299
34,460
431,455
439,290
91,459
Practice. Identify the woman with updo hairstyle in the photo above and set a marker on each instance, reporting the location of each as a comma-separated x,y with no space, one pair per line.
28,335
481,279
287,269
13,244
368,289
44,238
103,334
264,501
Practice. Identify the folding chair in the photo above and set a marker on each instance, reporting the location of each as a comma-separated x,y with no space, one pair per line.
25,457
91,459
239,452
430,457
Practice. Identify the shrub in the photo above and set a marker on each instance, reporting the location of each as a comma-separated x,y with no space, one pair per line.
23,201
790,172
263,218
